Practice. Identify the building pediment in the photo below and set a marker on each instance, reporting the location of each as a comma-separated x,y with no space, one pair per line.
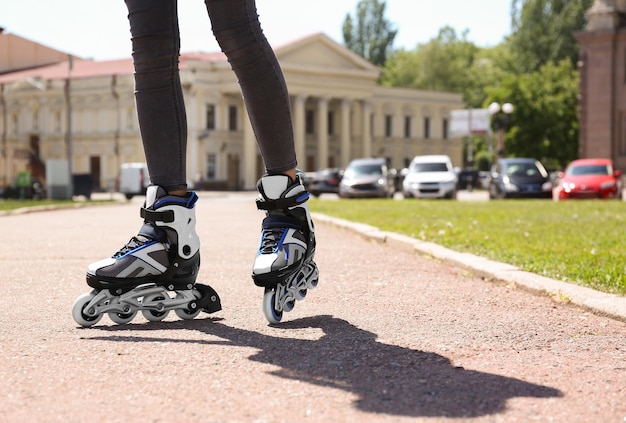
318,52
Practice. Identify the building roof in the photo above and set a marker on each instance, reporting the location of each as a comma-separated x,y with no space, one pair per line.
82,68
315,51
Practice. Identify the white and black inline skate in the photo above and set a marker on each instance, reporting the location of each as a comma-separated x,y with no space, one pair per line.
284,263
155,272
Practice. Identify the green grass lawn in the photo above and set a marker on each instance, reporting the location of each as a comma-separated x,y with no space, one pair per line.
580,242
6,205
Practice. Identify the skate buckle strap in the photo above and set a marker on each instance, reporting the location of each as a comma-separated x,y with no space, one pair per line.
281,203
148,215
279,221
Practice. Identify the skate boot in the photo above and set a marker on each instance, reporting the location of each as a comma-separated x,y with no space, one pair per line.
155,272
284,263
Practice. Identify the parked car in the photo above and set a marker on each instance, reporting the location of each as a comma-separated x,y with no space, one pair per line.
325,181
468,179
431,176
134,179
519,178
589,178
367,178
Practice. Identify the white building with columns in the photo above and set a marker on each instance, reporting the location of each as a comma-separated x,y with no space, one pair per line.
86,111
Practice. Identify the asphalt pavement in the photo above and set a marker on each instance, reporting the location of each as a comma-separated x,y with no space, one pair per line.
397,330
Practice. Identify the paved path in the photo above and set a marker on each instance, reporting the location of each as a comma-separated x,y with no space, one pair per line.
389,335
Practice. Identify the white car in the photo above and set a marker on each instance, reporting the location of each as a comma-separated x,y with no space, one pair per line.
430,176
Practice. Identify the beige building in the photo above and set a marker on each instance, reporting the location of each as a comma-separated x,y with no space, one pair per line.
87,111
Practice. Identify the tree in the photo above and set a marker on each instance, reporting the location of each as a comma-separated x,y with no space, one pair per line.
446,63
369,33
544,123
543,31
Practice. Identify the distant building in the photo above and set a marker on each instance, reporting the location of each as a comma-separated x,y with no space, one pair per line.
339,113
603,82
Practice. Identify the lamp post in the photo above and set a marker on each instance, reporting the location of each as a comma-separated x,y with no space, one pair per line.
500,117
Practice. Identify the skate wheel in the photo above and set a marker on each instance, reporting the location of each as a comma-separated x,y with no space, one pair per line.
122,318
313,278
289,305
301,294
153,315
187,314
78,311
269,311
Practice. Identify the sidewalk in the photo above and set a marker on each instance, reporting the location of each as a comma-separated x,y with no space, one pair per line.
388,335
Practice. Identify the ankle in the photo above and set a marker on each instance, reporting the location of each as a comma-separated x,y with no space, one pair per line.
178,192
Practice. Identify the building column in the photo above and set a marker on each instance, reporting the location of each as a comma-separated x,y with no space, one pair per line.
250,151
367,130
299,128
322,133
192,130
346,135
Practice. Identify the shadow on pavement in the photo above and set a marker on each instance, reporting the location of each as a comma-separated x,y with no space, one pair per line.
386,378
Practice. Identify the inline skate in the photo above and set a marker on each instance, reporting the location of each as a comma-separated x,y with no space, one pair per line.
155,272
284,263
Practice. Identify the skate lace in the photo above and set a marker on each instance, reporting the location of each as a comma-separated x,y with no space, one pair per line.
131,245
271,237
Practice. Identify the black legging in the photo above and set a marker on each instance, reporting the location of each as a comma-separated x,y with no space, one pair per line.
158,92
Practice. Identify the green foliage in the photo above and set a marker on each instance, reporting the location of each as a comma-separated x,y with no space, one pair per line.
439,65
534,69
576,241
543,31
545,121
369,33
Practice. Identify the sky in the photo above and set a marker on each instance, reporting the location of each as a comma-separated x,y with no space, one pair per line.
98,29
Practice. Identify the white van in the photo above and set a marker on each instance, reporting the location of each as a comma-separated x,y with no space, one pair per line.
134,179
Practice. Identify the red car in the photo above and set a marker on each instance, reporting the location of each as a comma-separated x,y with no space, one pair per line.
589,178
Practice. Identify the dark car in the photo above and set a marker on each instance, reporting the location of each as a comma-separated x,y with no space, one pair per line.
589,178
325,181
367,178
519,178
468,179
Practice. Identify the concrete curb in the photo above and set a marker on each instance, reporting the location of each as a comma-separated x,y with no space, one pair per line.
601,303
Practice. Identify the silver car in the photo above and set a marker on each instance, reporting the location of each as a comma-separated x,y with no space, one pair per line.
367,178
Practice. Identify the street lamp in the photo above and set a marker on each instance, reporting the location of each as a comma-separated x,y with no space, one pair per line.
500,116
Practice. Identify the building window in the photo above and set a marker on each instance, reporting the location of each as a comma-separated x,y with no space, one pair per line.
426,128
331,123
232,118
130,118
310,122
57,122
211,165
622,141
407,127
15,120
36,120
388,126
210,116
444,129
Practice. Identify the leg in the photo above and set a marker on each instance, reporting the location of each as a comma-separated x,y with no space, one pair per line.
284,262
238,31
165,254
158,93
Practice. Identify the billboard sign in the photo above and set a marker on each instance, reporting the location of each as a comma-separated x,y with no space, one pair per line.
469,122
